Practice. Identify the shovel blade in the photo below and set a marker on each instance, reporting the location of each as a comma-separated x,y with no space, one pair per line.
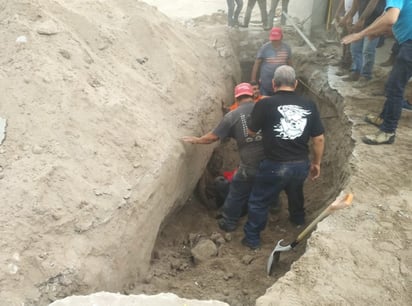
275,255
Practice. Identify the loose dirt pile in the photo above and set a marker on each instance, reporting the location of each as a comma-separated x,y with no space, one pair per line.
97,94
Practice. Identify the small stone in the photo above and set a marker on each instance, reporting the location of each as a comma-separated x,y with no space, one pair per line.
245,292
204,250
1,176
126,197
49,27
247,259
226,292
65,54
216,236
228,237
37,149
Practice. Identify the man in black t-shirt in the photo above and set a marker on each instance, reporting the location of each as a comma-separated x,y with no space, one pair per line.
287,122
234,125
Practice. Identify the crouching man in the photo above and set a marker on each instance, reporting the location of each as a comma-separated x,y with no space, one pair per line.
287,122
234,124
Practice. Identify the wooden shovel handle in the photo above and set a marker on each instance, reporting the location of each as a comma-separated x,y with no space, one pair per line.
340,202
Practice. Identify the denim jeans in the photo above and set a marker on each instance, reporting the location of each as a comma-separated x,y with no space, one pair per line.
263,12
271,179
363,56
272,11
395,88
237,199
232,13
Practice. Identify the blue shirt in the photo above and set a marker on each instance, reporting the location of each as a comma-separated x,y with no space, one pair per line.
271,59
402,29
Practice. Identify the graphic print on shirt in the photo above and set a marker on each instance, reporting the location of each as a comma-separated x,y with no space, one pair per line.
292,123
257,137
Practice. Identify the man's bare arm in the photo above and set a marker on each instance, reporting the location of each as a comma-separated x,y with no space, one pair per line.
255,69
205,139
365,15
318,144
381,25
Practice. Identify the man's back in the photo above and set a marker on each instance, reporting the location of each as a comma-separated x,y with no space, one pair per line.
234,124
287,121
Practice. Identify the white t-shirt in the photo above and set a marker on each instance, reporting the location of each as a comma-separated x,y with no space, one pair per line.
348,5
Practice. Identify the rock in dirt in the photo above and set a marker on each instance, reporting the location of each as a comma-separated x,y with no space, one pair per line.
110,299
49,27
247,259
204,250
217,238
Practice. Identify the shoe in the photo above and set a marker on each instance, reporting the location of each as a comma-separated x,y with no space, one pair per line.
372,119
297,222
406,106
251,246
379,138
341,72
224,227
353,76
362,82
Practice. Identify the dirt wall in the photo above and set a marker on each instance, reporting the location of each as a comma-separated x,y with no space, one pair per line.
97,95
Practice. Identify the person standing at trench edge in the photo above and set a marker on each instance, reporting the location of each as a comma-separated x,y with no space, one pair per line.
234,7
397,18
287,122
234,124
271,55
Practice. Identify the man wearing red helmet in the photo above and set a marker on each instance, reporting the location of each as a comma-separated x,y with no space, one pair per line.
271,55
234,125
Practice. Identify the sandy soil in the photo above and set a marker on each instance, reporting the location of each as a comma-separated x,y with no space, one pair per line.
89,176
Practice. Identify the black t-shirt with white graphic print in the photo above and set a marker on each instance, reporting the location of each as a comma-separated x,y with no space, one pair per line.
287,121
234,124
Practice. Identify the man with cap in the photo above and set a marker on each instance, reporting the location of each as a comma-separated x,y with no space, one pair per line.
234,125
287,122
271,55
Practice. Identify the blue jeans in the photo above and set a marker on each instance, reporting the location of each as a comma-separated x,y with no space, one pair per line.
363,56
232,14
395,88
237,199
272,11
271,179
263,12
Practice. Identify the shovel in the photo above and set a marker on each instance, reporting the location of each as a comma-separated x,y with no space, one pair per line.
340,202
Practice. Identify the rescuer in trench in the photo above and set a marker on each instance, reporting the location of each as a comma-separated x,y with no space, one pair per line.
234,124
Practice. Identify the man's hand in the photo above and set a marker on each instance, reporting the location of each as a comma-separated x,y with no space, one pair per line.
314,171
351,38
190,139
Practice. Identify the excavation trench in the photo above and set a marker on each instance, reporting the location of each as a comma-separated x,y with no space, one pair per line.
237,275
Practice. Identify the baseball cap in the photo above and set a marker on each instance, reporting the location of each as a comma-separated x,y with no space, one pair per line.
275,34
243,89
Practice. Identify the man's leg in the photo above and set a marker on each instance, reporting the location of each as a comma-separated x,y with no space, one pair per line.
263,13
268,184
356,51
285,4
237,199
294,191
237,11
272,12
248,14
369,51
230,11
394,88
